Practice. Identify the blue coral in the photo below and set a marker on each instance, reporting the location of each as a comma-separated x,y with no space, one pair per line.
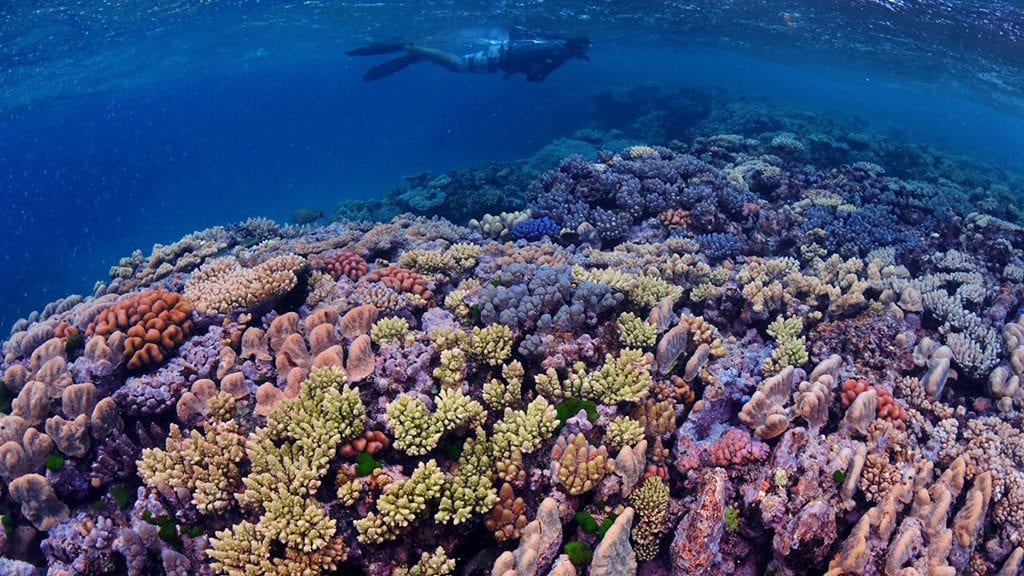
535,229
719,245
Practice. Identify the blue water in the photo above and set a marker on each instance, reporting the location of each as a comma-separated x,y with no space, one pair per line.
122,125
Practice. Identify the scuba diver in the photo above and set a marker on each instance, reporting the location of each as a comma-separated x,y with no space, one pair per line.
534,55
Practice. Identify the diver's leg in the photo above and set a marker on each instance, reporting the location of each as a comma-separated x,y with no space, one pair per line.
440,57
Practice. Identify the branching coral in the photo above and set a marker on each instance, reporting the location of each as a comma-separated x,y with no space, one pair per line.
650,500
223,285
577,465
402,503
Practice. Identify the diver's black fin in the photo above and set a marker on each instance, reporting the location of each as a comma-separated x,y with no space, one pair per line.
390,67
375,49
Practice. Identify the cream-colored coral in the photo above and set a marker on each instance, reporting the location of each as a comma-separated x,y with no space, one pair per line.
223,285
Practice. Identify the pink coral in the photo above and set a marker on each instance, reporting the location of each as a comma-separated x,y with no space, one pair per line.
343,263
733,447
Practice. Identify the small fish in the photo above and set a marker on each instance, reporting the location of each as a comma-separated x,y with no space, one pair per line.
306,216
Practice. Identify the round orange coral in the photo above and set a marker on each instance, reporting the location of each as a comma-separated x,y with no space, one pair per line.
155,322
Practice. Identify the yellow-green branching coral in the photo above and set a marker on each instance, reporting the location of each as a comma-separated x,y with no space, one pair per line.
245,550
427,261
470,491
325,413
452,370
454,410
623,378
415,429
491,345
298,522
623,431
455,301
436,563
206,463
701,292
272,465
507,391
763,282
577,465
641,289
524,430
448,338
288,459
464,255
577,384
634,332
650,500
791,346
389,330
401,504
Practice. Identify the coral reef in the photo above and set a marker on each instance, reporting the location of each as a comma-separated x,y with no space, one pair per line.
707,358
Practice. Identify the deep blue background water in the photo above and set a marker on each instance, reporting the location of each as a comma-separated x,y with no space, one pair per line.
121,127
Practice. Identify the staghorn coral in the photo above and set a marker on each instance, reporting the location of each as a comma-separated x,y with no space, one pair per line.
401,503
207,464
434,563
389,330
491,345
634,332
791,347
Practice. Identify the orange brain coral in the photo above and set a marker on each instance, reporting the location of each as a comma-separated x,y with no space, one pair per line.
155,322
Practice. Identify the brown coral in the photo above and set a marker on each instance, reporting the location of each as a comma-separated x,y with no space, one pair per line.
371,442
508,517
155,322
675,218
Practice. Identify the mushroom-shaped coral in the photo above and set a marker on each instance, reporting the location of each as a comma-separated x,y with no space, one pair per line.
39,503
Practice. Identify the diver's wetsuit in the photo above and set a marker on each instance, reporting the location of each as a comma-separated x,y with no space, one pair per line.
534,57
